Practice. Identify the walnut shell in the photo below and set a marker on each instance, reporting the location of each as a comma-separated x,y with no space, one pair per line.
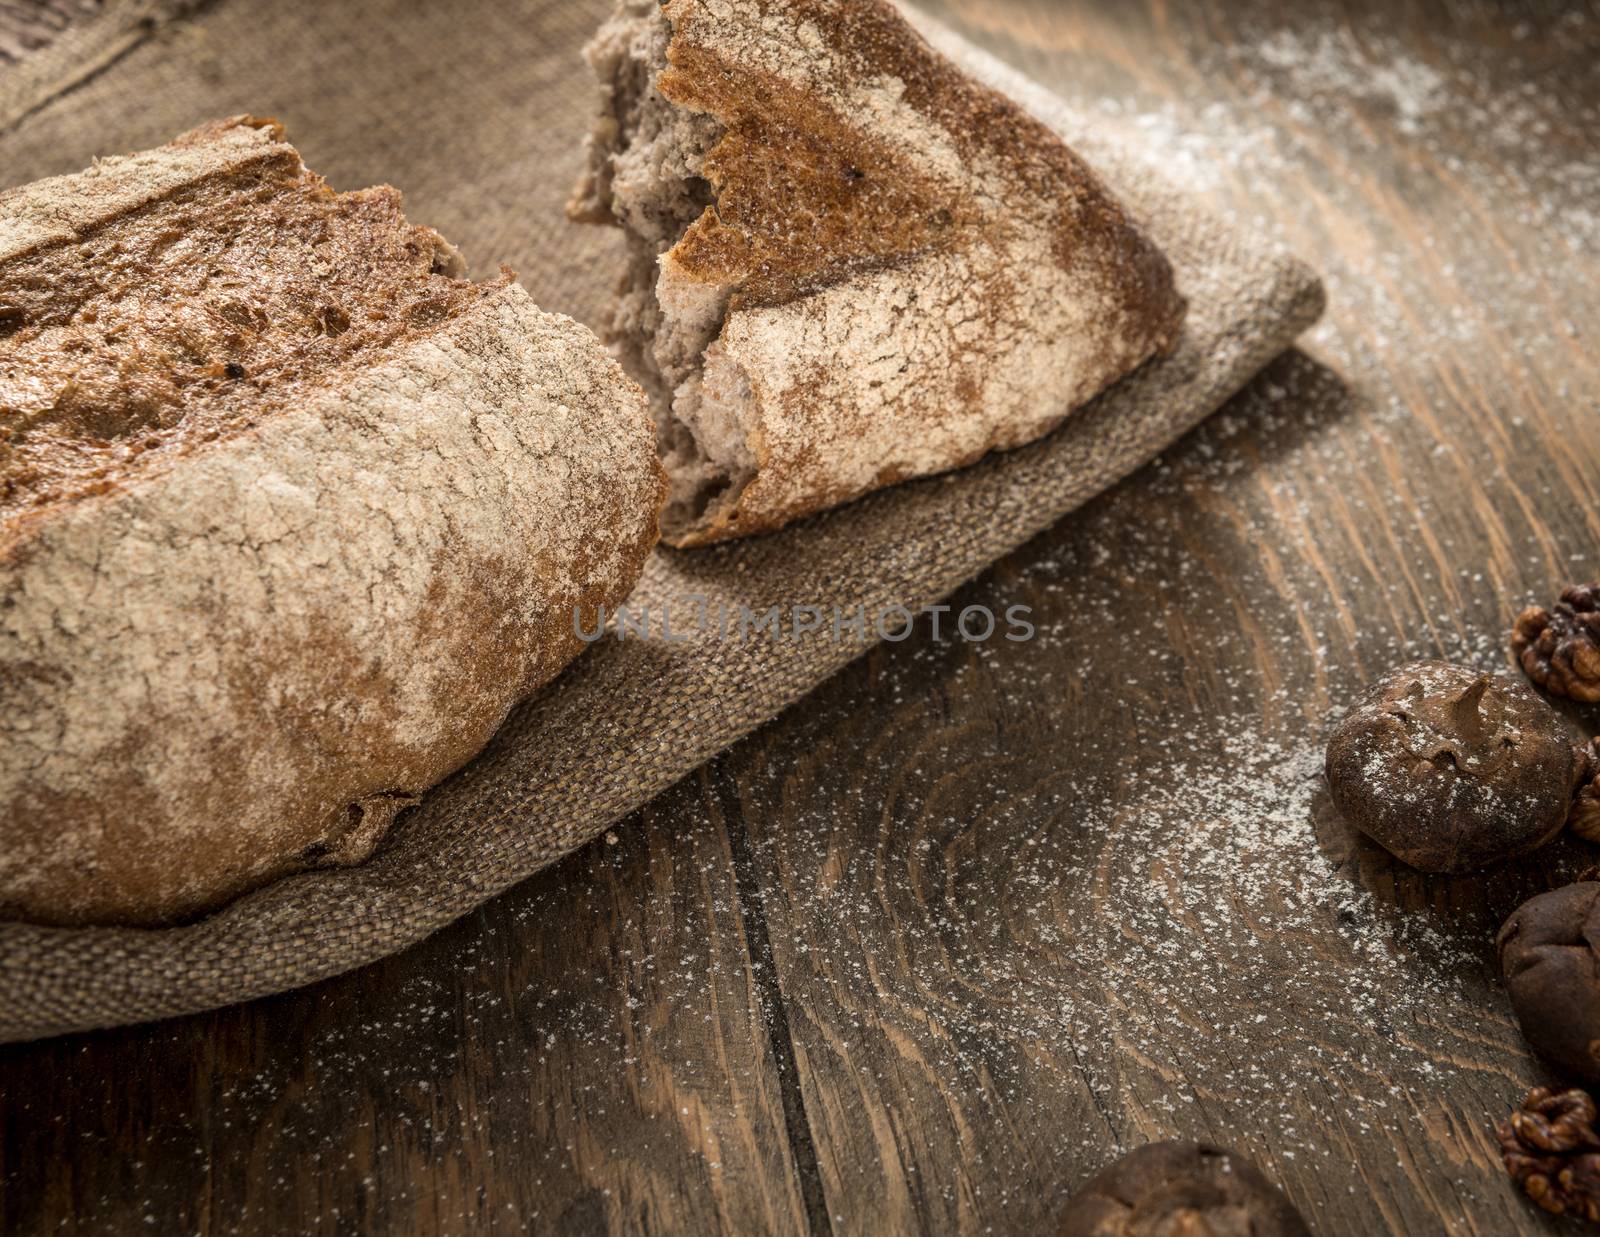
1584,820
1181,1187
1560,647
1451,770
1550,956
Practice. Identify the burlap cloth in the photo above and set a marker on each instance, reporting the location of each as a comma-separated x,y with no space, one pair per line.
476,108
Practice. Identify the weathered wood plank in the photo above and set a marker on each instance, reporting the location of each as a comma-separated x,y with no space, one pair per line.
933,947
1036,904
585,1054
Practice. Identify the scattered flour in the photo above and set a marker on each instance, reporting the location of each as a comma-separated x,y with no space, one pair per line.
1181,931
1331,65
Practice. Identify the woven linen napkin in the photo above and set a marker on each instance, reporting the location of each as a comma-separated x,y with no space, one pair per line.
476,109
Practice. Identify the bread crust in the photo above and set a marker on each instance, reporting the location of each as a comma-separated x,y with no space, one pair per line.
916,270
245,661
166,299
62,209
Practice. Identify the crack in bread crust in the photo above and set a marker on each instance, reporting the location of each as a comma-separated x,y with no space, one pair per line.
900,271
248,661
141,333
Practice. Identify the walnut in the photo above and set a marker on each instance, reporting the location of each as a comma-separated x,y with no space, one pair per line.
1560,648
1181,1188
1452,770
1584,819
1551,1151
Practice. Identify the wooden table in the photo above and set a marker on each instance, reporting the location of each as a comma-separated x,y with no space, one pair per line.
933,947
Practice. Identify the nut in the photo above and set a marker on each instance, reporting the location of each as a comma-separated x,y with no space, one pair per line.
1560,647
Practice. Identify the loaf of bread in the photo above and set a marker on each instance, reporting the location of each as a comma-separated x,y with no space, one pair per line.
850,263
291,514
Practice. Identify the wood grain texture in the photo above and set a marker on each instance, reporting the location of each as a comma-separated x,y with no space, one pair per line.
928,951
587,1054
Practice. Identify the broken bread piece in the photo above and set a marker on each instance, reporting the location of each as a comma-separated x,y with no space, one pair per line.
291,514
849,263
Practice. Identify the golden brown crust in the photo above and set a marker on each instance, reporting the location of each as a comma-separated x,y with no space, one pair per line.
901,270
175,321
808,196
245,661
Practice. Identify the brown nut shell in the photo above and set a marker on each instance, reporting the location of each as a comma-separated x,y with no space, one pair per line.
1560,647
1584,819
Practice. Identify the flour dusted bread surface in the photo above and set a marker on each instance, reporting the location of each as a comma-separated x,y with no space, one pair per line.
850,264
290,515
